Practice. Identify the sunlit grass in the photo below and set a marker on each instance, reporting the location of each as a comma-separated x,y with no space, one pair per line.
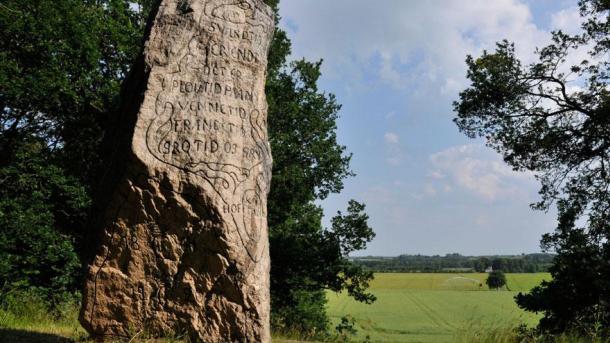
25,319
410,308
498,333
431,307
24,316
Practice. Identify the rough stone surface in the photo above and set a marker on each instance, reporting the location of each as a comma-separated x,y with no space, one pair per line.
182,243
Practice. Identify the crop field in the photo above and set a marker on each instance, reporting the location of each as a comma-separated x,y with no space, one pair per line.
421,307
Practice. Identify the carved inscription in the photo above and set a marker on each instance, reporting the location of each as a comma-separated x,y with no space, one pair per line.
211,114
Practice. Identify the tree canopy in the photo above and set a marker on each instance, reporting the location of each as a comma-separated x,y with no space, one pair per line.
552,117
61,65
496,279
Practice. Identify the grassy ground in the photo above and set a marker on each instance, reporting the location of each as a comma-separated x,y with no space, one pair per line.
410,308
420,307
29,322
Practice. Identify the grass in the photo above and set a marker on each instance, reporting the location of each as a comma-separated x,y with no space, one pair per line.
421,307
477,333
410,308
35,325
25,319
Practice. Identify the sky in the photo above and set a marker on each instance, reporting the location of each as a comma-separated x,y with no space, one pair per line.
396,66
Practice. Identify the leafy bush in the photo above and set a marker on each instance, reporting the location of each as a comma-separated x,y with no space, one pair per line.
496,279
38,205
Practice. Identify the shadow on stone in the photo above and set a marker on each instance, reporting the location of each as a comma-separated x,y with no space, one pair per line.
24,336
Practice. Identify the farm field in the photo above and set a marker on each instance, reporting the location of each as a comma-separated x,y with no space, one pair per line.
422,307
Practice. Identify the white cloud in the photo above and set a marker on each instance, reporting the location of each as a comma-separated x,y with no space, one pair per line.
430,39
568,20
391,138
479,171
393,148
436,175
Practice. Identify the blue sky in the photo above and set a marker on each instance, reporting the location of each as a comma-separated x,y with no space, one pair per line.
396,66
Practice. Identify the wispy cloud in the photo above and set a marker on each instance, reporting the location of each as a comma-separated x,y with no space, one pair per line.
409,42
391,138
479,171
568,20
393,148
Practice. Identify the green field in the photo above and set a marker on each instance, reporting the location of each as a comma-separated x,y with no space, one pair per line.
421,307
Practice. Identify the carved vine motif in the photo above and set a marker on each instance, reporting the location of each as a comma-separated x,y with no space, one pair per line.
240,12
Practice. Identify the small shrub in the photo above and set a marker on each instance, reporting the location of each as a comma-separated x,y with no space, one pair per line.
346,329
496,279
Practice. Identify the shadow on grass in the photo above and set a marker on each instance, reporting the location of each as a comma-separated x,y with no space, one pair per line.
24,336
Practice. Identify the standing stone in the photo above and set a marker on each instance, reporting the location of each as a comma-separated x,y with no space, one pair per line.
182,241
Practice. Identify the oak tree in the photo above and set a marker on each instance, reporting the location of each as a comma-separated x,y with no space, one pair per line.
552,117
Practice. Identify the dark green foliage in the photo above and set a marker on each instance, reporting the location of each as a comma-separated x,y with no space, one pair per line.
306,259
530,263
580,277
39,207
346,329
305,315
496,279
61,66
531,116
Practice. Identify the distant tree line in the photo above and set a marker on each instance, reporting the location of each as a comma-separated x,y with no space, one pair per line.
527,263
